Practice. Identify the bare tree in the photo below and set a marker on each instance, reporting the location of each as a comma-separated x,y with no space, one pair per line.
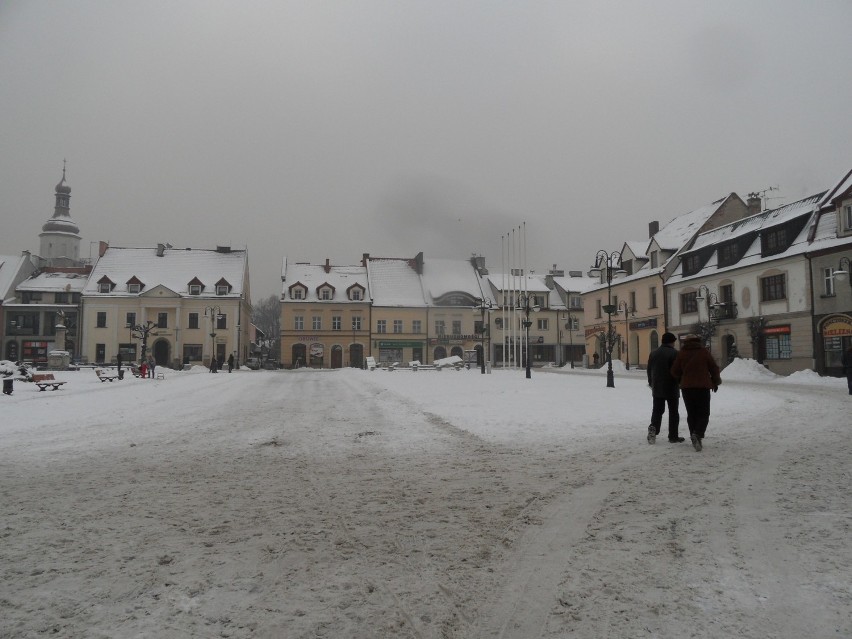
266,315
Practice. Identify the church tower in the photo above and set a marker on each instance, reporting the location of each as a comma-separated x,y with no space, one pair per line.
60,237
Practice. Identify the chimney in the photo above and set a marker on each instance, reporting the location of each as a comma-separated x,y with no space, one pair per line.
478,262
364,258
223,249
754,204
653,229
327,266
418,261
161,248
102,248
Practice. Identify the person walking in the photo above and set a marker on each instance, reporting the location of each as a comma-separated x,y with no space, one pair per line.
230,362
697,373
846,360
664,389
152,364
213,364
118,366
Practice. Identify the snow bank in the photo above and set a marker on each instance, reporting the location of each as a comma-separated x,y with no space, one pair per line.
747,370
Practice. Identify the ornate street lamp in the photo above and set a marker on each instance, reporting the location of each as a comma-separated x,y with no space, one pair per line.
602,257
214,312
483,307
842,274
528,305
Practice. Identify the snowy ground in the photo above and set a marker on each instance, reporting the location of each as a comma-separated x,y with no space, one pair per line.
429,504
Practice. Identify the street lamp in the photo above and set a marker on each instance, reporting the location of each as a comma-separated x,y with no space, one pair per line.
141,331
608,258
528,305
842,275
483,307
214,312
570,326
623,304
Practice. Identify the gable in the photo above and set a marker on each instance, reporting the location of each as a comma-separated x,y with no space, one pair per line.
159,291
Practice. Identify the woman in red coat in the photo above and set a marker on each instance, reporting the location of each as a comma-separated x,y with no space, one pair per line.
698,374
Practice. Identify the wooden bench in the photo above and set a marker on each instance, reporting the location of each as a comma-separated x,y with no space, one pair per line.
105,376
415,366
43,380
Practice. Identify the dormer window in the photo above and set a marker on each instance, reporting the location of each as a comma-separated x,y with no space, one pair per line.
355,292
325,292
134,288
297,294
223,287
195,289
655,259
105,285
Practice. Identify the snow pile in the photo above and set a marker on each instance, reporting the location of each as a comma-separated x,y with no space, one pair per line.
805,377
747,370
7,368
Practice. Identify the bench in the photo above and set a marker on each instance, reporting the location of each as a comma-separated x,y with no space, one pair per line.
43,380
415,366
105,376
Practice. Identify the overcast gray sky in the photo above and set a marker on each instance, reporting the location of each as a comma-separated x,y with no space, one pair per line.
320,129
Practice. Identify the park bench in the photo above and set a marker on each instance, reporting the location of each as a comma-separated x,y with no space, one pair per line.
415,366
43,380
105,375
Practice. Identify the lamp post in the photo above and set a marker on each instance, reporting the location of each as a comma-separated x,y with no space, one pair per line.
570,326
214,312
842,275
528,305
623,304
141,331
483,307
608,258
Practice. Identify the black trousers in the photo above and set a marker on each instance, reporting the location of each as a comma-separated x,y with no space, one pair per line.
697,403
660,404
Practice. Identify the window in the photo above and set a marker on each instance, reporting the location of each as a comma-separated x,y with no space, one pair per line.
573,323
652,295
847,217
773,288
778,346
356,322
221,289
60,298
355,294
104,287
195,289
828,281
541,324
457,327
130,320
134,288
655,259
298,323
192,352
397,326
775,241
498,322
632,301
575,302
325,294
101,319
162,320
440,327
316,322
297,294
729,254
381,326
691,264
688,302
221,320
193,320
336,322
75,298
416,326
100,353
598,308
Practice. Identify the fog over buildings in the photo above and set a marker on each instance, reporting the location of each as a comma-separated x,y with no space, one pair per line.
328,129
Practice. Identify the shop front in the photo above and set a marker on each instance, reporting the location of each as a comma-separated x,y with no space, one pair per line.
400,351
835,336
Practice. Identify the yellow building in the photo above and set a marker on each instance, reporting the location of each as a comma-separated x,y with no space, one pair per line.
181,306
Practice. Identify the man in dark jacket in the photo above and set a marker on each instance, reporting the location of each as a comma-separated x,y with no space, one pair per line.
698,374
664,389
846,360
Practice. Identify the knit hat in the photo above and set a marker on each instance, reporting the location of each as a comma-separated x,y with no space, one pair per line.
692,337
669,338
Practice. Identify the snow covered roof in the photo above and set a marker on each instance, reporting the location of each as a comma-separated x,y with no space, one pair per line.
752,225
576,284
9,267
173,270
394,282
314,276
55,282
838,190
674,235
531,282
638,248
772,217
444,276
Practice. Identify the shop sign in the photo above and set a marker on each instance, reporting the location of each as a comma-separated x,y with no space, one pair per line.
837,327
594,330
776,330
308,338
646,323
317,350
400,344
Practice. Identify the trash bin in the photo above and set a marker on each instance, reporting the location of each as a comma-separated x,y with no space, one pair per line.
7,386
